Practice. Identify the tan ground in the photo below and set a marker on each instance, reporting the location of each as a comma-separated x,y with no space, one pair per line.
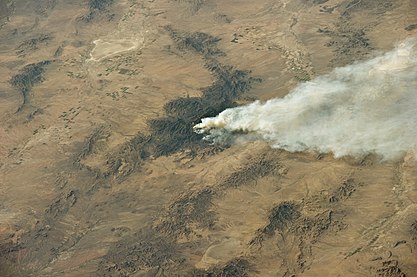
77,198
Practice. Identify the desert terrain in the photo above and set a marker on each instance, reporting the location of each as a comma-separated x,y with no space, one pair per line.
101,173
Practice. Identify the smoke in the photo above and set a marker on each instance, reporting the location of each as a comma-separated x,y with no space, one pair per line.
367,107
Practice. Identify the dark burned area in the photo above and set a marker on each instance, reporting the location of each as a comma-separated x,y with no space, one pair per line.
174,132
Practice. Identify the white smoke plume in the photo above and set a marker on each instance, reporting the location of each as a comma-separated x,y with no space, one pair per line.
367,107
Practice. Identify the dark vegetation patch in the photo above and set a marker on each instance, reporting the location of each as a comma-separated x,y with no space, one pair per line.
256,168
236,267
371,7
411,27
201,43
349,40
305,223
281,216
288,223
9,260
42,7
308,230
62,204
27,77
99,5
367,160
311,228
194,5
130,155
189,211
6,9
32,44
59,51
390,269
344,191
316,2
413,232
349,43
223,18
174,132
9,269
91,145
141,252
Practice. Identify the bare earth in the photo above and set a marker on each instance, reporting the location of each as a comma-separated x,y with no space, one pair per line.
101,174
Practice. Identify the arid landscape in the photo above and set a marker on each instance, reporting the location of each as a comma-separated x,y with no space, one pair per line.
102,174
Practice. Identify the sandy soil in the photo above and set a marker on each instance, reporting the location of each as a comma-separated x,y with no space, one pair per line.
101,174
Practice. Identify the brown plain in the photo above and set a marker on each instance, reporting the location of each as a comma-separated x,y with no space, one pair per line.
100,175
